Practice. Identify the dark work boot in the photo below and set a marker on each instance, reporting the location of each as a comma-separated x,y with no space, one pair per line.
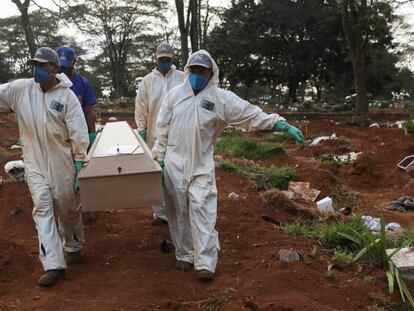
51,277
205,275
159,222
183,266
73,258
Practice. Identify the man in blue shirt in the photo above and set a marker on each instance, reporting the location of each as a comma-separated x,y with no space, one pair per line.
81,87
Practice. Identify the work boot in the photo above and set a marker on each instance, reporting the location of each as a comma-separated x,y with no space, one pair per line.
183,266
204,275
73,258
51,277
159,222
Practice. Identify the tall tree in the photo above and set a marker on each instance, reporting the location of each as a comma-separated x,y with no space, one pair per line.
119,25
26,25
363,23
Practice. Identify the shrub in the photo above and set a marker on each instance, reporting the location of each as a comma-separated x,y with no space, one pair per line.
246,147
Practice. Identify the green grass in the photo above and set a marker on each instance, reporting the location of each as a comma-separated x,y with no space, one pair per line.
246,147
266,178
276,137
352,240
5,155
409,125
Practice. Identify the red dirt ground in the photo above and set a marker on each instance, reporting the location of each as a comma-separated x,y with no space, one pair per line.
125,269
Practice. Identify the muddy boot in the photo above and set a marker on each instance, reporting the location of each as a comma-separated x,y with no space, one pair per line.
73,258
159,222
183,266
205,275
51,277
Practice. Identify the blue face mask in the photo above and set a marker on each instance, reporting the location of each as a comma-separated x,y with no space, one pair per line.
164,66
197,81
40,75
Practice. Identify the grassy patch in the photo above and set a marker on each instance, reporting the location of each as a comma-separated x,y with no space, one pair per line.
246,147
5,155
276,137
266,178
409,126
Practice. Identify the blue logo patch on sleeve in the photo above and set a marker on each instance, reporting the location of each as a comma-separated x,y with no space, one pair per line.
55,105
207,105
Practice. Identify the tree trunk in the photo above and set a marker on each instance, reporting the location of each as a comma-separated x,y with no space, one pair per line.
293,87
194,25
353,19
27,27
179,4
360,85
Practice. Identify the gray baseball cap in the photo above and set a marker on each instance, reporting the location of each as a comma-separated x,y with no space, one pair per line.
45,55
165,50
200,60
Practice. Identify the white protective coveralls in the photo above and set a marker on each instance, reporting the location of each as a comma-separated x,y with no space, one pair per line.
151,92
187,128
54,133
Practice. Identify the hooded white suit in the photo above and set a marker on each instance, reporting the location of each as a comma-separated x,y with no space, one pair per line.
187,127
150,94
54,133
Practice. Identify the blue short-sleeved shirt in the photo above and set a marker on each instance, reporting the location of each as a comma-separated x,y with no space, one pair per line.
83,90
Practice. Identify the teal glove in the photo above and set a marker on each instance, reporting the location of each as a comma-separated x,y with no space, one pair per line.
282,126
143,134
19,143
92,137
78,167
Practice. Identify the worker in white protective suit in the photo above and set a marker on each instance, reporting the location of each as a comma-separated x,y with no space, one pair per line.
55,138
151,92
191,118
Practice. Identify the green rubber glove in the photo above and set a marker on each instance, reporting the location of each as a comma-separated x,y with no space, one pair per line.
78,167
283,126
143,134
19,143
92,137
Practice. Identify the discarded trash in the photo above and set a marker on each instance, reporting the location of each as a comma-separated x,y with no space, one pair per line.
374,224
374,125
291,195
403,260
288,256
403,204
15,169
317,140
399,124
16,147
325,205
233,196
112,119
393,226
342,159
407,164
304,190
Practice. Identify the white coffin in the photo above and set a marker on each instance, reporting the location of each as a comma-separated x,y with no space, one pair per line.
121,172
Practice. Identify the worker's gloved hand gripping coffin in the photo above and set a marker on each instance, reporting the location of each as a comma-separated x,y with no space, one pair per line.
121,172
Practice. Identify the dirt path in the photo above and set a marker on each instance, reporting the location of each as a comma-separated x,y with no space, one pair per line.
125,269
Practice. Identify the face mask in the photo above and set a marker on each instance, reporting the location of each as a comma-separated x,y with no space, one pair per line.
40,75
197,81
164,66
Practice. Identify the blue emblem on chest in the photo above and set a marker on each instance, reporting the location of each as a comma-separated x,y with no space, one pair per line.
207,105
55,105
